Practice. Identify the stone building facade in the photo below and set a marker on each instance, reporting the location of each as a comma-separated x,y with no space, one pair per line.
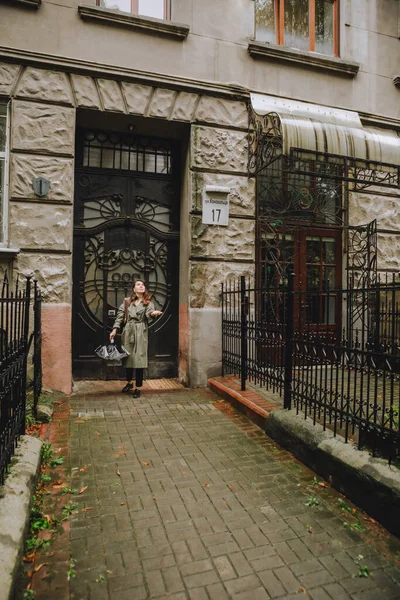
177,91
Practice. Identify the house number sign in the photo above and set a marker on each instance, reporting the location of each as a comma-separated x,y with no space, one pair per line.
215,205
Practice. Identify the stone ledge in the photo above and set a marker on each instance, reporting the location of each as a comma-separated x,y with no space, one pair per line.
25,3
16,503
119,18
266,51
9,253
368,482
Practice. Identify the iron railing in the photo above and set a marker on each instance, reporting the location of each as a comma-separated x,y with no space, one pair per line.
301,344
15,305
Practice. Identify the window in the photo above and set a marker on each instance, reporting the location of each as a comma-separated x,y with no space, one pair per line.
302,24
3,171
126,153
146,8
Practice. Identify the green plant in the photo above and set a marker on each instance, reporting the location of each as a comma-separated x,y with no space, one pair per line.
100,579
45,478
312,501
29,595
46,452
69,509
343,505
69,490
39,523
29,420
354,526
33,543
71,573
315,481
56,462
363,570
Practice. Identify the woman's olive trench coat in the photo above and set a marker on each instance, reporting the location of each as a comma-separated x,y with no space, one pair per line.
135,333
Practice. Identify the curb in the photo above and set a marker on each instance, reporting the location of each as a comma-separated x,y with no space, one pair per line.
367,481
15,505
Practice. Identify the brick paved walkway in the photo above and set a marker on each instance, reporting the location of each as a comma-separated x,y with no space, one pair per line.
186,499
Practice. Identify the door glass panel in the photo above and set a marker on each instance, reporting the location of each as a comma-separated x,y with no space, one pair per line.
296,24
313,250
328,251
329,310
324,12
329,278
266,21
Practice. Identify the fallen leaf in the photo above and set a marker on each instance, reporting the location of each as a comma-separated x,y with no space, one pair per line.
87,508
36,569
322,484
118,472
83,469
206,485
109,572
230,486
83,489
122,504
144,463
97,432
30,557
302,590
299,485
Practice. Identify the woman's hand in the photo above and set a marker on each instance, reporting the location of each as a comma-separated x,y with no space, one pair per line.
156,313
113,334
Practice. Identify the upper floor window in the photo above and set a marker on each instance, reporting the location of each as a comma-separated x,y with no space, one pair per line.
3,170
303,24
146,8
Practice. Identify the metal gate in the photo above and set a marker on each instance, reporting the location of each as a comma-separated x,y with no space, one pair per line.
126,226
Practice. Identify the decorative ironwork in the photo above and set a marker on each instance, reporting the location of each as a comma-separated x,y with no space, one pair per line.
121,152
265,141
348,382
126,228
14,330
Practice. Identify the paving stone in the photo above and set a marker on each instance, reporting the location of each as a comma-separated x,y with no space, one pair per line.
206,508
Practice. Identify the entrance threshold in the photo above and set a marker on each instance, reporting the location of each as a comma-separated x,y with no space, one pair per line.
87,386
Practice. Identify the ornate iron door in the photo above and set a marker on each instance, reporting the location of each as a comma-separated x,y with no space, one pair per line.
125,227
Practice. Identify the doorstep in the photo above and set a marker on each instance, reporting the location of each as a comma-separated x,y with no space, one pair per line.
254,405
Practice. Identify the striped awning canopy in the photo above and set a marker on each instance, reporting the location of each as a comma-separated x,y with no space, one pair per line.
328,130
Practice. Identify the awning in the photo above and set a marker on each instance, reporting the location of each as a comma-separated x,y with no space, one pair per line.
328,130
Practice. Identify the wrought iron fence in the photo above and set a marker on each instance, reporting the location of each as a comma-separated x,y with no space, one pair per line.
15,305
302,344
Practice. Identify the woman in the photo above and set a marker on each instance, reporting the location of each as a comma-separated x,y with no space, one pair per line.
133,318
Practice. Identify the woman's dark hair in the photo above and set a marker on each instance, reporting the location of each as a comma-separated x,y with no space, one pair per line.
146,295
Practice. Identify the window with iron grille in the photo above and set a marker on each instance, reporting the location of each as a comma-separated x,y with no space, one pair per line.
103,150
302,24
3,170
159,9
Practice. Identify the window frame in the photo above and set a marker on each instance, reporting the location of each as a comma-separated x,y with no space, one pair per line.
135,9
280,25
5,154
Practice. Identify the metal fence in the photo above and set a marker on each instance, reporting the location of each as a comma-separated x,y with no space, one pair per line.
333,355
15,303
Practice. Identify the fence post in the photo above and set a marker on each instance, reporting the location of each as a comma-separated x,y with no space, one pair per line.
26,350
243,332
287,397
37,350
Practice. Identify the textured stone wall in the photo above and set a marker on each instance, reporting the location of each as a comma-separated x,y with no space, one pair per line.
384,206
42,143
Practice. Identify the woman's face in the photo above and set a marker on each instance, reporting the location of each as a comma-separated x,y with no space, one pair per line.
139,287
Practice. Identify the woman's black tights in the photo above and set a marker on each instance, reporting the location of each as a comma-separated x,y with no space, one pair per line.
139,376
